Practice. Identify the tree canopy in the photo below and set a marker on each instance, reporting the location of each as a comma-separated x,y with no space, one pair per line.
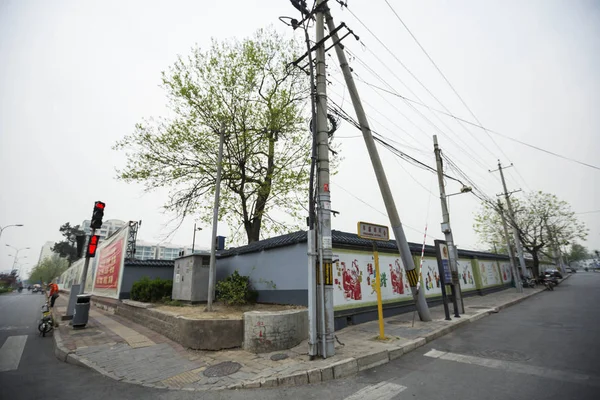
67,248
247,87
48,269
544,224
578,252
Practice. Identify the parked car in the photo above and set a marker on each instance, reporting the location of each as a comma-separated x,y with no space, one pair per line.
554,272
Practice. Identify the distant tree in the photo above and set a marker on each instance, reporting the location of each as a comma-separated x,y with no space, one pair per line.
248,87
68,247
543,223
48,269
578,252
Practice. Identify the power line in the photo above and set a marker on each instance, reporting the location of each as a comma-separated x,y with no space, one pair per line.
588,212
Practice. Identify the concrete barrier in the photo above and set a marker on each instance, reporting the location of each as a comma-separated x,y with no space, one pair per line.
267,331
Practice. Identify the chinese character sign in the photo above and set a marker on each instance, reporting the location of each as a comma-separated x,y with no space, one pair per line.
109,265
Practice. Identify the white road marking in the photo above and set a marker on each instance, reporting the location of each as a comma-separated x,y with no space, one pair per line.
380,391
516,367
13,328
11,352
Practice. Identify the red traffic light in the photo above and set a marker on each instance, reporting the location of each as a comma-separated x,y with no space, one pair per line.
92,245
99,205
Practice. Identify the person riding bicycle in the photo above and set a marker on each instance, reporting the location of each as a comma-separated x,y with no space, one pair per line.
53,293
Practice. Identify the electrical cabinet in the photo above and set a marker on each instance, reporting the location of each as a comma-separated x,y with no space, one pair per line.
190,278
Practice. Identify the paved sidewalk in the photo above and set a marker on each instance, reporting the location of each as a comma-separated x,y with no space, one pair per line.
126,351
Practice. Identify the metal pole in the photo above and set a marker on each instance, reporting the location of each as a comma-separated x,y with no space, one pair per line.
511,253
452,253
86,265
512,220
212,274
378,290
194,239
324,207
386,194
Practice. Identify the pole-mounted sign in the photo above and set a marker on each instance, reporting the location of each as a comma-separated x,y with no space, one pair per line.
374,233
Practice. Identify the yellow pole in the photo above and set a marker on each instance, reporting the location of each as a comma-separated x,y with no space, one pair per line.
378,289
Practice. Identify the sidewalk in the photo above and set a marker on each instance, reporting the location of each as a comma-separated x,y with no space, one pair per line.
125,351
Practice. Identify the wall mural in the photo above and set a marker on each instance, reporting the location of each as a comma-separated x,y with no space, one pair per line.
465,274
489,273
506,272
355,279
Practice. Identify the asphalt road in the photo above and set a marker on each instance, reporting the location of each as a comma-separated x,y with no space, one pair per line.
547,348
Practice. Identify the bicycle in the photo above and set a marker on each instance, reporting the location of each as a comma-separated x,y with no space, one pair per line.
47,322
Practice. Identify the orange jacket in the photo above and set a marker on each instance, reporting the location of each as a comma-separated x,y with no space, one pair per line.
53,288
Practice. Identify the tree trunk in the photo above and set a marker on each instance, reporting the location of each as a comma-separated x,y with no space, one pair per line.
536,264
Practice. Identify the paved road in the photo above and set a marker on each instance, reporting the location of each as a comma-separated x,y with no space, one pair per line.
546,348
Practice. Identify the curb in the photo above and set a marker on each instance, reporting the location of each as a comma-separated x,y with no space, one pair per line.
340,369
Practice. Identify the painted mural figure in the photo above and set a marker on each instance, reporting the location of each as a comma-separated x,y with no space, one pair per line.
397,278
437,279
351,281
470,277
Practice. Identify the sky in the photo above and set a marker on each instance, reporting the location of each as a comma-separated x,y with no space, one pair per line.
76,76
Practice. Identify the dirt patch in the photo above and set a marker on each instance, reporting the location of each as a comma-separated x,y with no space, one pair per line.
222,311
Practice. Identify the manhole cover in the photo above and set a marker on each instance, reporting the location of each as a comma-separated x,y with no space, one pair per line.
222,369
505,355
279,357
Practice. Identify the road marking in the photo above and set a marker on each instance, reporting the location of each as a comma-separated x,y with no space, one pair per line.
11,352
13,328
380,391
516,367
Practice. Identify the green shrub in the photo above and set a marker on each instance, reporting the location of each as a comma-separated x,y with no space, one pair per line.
151,291
236,290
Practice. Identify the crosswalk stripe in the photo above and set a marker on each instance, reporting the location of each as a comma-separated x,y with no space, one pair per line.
517,367
11,352
380,391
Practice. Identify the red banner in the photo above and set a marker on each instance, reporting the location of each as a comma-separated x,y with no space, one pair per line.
108,265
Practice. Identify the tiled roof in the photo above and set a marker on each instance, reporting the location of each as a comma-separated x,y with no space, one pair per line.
149,263
343,239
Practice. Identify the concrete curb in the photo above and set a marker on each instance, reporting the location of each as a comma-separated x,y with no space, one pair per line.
340,369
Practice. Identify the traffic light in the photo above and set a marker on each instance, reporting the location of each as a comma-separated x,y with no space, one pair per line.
97,215
92,246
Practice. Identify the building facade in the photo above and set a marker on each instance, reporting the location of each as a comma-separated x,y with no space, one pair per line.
46,251
163,251
108,227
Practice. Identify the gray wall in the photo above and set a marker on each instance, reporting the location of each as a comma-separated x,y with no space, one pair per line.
284,266
132,274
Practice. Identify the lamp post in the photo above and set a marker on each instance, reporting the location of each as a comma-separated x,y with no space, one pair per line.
194,240
7,226
17,253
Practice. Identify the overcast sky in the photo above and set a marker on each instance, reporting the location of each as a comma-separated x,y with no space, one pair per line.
75,76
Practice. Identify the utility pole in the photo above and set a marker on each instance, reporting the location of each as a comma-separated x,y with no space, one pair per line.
511,253
512,223
325,282
212,271
194,238
452,253
384,187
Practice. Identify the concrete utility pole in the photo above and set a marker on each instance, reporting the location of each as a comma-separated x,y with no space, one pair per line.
452,253
212,271
511,253
324,200
512,223
384,187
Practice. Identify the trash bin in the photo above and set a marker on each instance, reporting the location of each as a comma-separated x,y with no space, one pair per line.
82,310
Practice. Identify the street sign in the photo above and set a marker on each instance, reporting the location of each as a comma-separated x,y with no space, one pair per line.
370,231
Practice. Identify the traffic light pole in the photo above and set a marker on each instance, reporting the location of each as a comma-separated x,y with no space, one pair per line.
86,265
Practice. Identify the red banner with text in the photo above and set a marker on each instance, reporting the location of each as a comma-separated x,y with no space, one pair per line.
109,265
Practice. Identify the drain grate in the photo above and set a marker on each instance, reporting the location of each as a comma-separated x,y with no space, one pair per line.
222,369
279,357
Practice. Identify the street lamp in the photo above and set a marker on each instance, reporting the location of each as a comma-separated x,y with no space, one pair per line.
7,226
17,253
194,240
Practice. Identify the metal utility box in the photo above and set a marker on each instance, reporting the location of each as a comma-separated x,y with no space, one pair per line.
190,278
